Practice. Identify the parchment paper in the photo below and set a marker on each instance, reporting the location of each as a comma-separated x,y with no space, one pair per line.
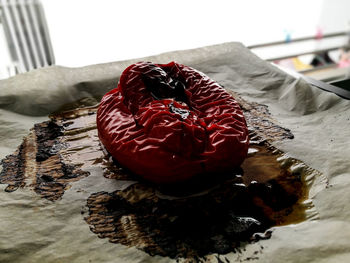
37,230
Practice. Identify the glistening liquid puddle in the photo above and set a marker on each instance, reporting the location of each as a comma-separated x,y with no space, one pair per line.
277,187
217,216
216,213
211,214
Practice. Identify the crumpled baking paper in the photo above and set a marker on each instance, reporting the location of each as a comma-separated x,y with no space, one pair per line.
37,230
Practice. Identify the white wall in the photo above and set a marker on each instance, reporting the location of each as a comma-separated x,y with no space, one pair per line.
95,31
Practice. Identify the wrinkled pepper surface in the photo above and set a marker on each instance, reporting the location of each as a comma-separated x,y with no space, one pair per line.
170,122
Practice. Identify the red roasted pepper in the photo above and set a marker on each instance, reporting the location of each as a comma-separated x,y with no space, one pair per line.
169,122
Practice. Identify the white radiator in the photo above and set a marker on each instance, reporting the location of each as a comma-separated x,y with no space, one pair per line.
26,34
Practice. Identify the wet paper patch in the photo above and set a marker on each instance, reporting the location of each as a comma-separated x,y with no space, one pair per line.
37,164
179,223
211,214
260,121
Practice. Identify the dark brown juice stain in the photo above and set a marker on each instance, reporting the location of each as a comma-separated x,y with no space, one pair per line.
83,147
12,172
289,188
214,213
38,164
173,221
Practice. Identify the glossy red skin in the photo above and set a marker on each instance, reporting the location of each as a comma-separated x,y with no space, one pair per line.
142,134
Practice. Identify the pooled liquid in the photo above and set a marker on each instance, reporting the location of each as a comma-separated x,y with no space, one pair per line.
213,213
210,214
205,215
285,191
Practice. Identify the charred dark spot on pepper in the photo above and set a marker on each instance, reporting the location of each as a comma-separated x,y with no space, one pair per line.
182,112
162,85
